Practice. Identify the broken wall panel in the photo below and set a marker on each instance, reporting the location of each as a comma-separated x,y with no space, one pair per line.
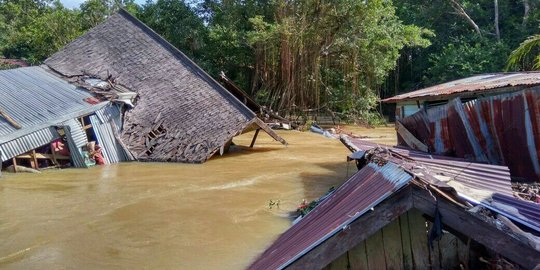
501,130
102,122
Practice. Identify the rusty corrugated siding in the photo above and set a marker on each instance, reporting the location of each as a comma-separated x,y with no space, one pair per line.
492,178
361,192
501,130
479,84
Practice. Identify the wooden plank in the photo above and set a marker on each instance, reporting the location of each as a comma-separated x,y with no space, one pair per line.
482,232
463,253
341,263
371,222
406,242
269,131
434,252
419,244
409,138
10,120
393,252
87,126
375,251
43,156
448,250
358,257
254,138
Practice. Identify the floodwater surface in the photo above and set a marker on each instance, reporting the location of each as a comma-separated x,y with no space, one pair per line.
167,216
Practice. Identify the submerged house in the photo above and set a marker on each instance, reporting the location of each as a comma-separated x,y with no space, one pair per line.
405,209
180,113
493,118
37,108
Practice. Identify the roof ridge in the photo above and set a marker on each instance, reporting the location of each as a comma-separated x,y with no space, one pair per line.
183,57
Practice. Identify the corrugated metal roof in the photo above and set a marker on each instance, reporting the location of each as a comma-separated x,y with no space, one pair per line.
485,184
75,151
479,176
77,132
32,96
527,211
25,143
113,151
37,100
475,84
364,190
502,129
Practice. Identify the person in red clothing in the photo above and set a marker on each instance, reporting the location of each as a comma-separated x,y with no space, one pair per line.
94,152
98,156
59,147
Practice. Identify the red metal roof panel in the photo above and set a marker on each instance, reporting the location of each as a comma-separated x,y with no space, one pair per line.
364,190
478,83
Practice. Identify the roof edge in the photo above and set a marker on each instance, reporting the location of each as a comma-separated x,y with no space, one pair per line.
179,54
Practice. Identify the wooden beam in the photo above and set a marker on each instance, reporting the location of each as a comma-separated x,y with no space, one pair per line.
254,138
43,156
482,232
87,126
356,232
33,160
268,130
14,165
409,138
10,120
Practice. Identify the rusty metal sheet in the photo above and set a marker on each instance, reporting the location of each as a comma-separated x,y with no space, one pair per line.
479,84
364,190
480,176
502,130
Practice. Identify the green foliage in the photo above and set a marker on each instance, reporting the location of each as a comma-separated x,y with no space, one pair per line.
461,59
458,51
526,56
334,54
177,23
36,29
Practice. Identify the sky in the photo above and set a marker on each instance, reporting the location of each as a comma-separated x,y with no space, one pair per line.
76,3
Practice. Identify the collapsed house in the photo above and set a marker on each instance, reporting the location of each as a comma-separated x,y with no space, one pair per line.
493,118
124,87
405,209
38,108
181,114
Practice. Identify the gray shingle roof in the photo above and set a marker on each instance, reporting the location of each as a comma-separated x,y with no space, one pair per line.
181,113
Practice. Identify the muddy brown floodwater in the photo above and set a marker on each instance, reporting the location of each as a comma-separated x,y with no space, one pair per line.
167,216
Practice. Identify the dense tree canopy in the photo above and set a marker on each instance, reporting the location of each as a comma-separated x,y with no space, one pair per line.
337,56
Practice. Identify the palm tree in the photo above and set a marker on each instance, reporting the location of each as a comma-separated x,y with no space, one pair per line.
526,56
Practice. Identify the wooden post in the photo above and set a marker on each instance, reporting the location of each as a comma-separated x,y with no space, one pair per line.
254,138
14,165
33,160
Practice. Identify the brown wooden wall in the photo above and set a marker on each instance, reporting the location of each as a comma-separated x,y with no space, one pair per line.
403,244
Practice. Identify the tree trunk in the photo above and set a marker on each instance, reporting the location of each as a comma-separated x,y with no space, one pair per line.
496,20
459,9
526,10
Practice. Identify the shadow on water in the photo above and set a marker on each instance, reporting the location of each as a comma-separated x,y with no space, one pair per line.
241,150
337,174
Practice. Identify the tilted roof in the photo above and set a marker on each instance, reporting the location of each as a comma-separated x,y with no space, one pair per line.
181,113
388,171
478,84
34,99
